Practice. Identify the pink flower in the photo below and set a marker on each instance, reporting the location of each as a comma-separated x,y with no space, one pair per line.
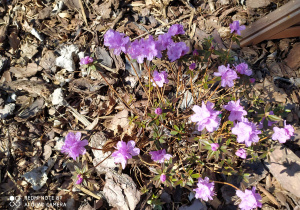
214,146
176,29
86,60
125,152
237,112
79,179
241,153
73,146
252,80
176,50
205,189
117,41
163,41
160,78
227,76
192,66
283,134
243,68
246,132
160,156
250,199
270,123
163,177
206,117
236,28
158,111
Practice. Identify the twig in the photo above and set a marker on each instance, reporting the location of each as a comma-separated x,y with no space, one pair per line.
269,195
86,191
83,12
13,180
118,18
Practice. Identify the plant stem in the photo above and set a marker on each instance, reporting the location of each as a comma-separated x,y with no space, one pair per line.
226,183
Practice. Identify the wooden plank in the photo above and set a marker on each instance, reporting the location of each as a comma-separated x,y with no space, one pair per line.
271,24
293,31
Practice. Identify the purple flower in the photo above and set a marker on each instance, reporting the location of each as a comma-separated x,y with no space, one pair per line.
241,153
86,60
236,28
176,50
205,189
243,68
73,146
176,29
163,177
250,199
195,53
158,111
192,66
252,80
236,111
125,152
160,78
283,134
79,179
117,41
227,76
214,146
270,123
144,48
163,41
206,117
160,156
246,132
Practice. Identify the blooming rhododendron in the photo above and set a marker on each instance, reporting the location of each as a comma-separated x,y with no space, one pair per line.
246,132
117,41
243,68
73,146
86,60
237,112
283,134
176,29
241,153
236,28
163,41
214,146
227,75
206,117
205,189
163,177
79,179
250,199
160,78
160,156
125,152
192,66
176,50
158,111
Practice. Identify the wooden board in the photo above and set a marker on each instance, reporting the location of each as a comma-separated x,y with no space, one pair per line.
272,24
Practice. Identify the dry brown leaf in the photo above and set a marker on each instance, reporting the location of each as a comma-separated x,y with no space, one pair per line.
28,50
47,152
30,70
14,40
48,61
120,120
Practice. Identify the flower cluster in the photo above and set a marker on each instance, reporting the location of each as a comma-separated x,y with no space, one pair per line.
158,111
73,146
227,75
283,134
125,152
148,48
246,132
205,189
249,199
160,78
237,112
160,156
206,117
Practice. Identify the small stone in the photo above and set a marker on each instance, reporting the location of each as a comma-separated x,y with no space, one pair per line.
7,110
58,97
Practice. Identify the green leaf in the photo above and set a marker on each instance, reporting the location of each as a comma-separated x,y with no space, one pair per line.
176,128
174,133
195,176
274,118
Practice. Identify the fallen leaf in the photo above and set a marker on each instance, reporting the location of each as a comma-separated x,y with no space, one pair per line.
30,70
14,41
